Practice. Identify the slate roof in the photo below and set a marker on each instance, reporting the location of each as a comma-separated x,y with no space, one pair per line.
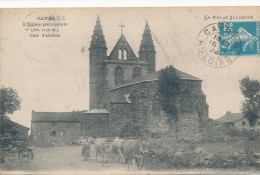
75,116
230,117
154,76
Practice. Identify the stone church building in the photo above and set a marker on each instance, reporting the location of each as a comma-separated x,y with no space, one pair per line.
126,85
124,97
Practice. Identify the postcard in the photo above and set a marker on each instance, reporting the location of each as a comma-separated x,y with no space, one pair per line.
162,90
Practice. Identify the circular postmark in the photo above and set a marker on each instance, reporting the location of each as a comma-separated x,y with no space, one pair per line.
218,45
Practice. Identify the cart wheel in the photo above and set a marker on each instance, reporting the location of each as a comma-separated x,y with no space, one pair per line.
26,156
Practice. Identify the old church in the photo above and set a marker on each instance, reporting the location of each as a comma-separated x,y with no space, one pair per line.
126,85
124,97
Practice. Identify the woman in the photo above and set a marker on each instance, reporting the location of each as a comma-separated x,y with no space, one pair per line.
86,148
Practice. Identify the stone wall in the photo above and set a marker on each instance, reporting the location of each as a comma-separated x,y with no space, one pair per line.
96,125
159,124
96,77
55,133
151,123
188,125
142,107
120,114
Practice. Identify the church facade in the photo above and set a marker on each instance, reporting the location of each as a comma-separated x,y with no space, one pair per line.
126,86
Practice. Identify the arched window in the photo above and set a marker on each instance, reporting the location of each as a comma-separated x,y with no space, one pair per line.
136,72
119,75
156,106
125,55
120,54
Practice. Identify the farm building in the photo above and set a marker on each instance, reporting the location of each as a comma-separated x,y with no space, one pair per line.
238,121
8,127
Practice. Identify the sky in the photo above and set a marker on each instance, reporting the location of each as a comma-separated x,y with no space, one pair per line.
52,74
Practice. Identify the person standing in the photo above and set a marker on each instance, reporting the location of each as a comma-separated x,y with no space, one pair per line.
86,148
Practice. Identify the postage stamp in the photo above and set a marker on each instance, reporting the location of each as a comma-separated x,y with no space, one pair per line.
209,41
239,34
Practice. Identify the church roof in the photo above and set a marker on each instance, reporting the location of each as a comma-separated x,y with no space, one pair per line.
122,44
75,116
154,76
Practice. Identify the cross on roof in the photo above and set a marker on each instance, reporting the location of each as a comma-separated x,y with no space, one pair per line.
121,25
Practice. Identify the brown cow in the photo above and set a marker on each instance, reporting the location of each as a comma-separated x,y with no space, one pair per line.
136,151
102,148
117,148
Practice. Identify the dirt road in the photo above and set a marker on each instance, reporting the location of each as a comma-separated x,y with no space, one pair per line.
62,159
69,159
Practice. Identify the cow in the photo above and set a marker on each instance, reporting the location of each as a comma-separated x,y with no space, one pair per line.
117,148
86,149
136,151
102,148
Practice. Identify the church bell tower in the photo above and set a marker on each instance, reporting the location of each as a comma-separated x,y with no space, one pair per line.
146,51
97,55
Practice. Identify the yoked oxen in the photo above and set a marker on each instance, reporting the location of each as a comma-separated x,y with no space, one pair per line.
117,147
137,151
102,149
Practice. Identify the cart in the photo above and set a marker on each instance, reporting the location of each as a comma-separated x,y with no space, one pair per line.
16,149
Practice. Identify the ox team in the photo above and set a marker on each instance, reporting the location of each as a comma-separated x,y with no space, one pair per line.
125,151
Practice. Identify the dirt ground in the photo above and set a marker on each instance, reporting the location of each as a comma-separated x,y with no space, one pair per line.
69,159
61,159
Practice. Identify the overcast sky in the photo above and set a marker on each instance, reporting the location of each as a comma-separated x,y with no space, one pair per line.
51,74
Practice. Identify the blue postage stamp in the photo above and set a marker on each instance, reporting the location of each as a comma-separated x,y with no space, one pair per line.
239,38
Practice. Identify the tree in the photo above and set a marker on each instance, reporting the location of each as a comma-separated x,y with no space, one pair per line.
251,105
9,102
169,94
